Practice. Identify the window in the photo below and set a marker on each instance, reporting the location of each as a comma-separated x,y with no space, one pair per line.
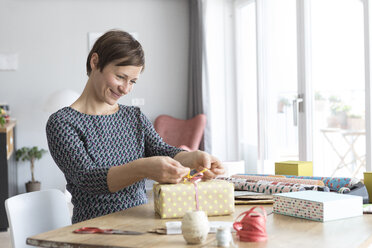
279,42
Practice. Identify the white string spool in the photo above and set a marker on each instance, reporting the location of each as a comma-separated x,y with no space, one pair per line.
223,237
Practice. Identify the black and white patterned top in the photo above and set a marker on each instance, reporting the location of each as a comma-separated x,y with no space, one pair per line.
85,147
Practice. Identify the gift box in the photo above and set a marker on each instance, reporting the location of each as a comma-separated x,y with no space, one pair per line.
318,206
296,168
216,197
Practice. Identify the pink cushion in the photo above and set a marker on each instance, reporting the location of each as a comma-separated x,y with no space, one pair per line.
185,134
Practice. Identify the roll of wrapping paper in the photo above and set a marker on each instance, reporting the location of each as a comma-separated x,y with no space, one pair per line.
333,183
279,179
268,187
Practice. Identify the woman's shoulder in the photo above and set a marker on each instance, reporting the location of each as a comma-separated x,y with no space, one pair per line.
130,109
65,114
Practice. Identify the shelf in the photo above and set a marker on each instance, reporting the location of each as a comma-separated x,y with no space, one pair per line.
7,126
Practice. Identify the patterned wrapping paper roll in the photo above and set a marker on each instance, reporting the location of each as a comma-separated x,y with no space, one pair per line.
268,187
333,183
282,180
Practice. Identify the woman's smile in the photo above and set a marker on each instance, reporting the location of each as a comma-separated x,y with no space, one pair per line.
115,95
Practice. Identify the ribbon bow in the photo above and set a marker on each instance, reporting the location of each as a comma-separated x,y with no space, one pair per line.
194,179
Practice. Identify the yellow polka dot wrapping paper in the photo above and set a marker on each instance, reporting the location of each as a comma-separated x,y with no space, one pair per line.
216,197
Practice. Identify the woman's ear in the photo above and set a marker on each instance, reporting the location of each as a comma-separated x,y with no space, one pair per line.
94,61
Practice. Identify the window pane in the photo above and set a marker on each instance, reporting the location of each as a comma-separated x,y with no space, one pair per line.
338,85
247,83
280,70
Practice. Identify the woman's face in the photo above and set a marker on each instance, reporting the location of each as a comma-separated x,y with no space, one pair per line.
114,81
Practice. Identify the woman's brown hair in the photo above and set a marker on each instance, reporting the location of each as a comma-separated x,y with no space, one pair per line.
117,45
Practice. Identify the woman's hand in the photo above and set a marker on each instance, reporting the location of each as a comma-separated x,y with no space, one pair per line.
199,160
164,169
161,169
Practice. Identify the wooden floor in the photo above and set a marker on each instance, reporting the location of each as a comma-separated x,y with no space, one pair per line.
5,240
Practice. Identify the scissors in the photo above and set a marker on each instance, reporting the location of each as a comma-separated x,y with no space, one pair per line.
96,230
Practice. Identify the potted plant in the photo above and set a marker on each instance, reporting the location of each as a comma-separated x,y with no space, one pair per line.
31,154
282,103
2,117
339,113
320,101
355,122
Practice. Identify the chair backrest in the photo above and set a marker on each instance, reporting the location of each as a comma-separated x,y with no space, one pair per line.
186,134
36,212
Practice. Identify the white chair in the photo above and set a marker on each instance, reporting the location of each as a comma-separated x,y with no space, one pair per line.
36,212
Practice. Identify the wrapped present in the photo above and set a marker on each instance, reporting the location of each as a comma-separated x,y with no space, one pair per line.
215,197
296,168
318,206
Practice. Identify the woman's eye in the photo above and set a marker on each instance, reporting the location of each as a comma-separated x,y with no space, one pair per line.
121,77
133,82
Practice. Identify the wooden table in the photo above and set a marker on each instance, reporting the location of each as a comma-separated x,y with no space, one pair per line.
283,231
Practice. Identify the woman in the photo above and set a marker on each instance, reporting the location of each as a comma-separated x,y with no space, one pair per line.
107,150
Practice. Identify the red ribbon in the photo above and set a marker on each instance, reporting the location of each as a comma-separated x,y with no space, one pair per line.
194,179
252,227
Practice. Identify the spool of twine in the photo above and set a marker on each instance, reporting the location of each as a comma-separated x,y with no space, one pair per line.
252,227
195,227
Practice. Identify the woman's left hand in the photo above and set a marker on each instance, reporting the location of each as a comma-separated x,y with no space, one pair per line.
200,160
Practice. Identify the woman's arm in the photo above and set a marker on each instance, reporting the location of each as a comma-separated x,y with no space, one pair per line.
163,169
155,146
70,155
159,168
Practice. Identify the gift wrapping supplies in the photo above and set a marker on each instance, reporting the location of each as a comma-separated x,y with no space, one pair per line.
318,206
278,179
333,183
216,197
271,187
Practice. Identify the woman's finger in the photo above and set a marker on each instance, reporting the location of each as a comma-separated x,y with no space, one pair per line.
180,170
208,175
215,160
218,171
205,160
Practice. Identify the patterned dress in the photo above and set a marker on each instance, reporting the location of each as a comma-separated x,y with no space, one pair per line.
85,147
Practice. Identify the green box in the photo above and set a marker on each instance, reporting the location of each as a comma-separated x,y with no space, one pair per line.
295,168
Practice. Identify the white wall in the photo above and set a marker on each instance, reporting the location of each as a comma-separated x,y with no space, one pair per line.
50,37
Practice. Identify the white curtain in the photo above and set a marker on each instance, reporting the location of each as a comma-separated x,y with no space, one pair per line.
219,85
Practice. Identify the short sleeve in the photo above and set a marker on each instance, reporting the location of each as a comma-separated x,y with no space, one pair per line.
70,155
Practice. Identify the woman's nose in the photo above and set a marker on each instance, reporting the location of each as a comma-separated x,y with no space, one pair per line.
125,88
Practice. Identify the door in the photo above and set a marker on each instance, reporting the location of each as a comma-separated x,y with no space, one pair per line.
338,81
266,82
304,89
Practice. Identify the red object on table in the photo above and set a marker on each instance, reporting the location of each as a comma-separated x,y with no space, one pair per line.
96,230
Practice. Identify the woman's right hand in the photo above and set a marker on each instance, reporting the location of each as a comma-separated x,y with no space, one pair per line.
164,169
